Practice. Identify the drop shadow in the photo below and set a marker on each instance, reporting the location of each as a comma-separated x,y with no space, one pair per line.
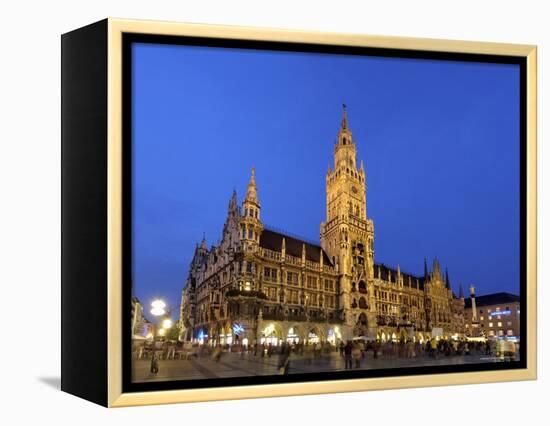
54,382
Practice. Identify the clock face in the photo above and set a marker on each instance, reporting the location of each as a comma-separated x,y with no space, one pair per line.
354,189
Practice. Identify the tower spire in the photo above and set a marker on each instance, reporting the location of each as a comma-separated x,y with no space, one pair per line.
447,282
252,192
344,117
203,242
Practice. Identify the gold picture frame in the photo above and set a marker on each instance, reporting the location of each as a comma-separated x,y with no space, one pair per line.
114,396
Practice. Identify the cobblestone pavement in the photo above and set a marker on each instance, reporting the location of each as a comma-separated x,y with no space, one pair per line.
235,365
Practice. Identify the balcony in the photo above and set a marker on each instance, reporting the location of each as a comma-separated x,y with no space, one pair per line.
245,294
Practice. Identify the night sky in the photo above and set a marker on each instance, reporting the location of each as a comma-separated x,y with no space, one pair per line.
439,139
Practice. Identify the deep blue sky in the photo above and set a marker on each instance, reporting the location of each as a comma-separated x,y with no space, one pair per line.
439,139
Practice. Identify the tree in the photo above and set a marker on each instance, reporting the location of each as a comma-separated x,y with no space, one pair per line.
174,332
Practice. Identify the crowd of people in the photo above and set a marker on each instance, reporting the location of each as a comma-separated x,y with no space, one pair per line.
356,352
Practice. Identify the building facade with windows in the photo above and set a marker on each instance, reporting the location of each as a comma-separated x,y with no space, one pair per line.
262,285
494,315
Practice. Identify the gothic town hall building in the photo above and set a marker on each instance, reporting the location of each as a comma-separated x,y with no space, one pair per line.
260,285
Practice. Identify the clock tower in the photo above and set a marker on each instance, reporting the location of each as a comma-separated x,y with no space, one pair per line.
347,236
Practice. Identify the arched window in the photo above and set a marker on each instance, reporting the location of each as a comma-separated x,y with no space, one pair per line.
363,303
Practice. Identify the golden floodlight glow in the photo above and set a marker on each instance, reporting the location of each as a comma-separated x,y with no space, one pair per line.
269,329
162,332
167,323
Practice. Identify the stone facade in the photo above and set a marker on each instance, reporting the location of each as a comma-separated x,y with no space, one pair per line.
261,285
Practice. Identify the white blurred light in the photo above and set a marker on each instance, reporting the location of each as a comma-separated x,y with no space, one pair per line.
158,311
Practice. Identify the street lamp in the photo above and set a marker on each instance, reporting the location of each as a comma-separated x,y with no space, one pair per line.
167,323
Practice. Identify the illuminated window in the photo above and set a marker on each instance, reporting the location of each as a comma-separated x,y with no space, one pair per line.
499,324
481,318
510,332
509,323
490,324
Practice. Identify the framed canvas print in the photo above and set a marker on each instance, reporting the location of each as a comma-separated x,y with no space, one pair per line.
251,212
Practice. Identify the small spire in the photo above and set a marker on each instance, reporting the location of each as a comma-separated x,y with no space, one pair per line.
233,201
252,193
203,242
460,292
447,282
344,117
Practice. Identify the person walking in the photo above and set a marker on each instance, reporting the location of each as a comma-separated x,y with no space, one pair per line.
283,363
216,355
356,353
347,354
341,348
433,347
154,364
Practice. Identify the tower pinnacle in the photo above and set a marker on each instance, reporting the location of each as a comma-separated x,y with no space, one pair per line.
252,193
344,117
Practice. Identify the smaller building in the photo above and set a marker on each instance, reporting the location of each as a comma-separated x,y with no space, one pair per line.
137,317
496,315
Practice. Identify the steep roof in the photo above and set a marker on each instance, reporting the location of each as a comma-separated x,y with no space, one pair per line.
382,272
492,299
273,240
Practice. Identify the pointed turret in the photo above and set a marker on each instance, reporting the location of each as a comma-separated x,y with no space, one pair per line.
436,270
252,192
344,134
251,224
283,249
460,292
344,124
233,202
447,282
203,242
